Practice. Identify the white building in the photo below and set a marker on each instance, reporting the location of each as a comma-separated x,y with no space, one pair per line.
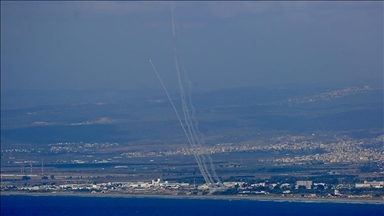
306,184
367,184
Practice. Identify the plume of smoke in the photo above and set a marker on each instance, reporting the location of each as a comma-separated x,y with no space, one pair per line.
189,138
190,124
189,113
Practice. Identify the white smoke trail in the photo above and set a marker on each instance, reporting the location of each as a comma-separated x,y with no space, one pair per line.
200,158
192,133
190,120
189,138
199,135
190,125
191,130
173,22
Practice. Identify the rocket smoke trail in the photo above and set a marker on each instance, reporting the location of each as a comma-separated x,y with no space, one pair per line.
190,125
197,157
198,134
190,120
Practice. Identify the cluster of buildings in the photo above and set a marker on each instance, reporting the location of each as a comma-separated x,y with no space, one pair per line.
370,184
110,187
305,149
339,152
78,147
351,151
328,96
160,187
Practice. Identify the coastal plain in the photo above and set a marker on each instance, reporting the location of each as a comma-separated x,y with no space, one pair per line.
263,142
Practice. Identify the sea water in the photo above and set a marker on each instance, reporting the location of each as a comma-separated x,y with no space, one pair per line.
73,205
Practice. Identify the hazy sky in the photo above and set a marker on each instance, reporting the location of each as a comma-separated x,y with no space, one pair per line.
82,45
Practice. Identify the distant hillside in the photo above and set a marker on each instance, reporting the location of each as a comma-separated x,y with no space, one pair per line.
223,115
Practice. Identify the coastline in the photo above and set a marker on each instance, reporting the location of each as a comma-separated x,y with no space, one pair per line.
212,197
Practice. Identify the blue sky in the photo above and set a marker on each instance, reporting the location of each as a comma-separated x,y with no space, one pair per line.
86,45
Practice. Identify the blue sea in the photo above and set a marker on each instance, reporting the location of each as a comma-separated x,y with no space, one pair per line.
71,205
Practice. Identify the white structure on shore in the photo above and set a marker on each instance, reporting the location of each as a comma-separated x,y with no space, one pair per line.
372,184
306,184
